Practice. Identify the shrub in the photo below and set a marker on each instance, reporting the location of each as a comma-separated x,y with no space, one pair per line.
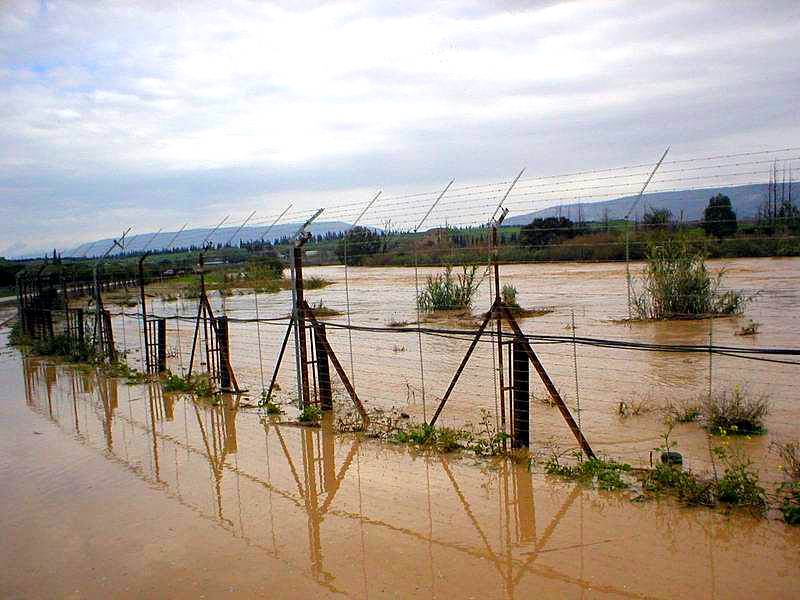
509,295
688,488
739,485
677,284
735,412
789,454
446,291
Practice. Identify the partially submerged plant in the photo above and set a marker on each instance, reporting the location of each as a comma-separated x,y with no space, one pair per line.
311,413
271,407
634,408
509,296
750,328
739,484
605,473
735,412
789,453
446,291
683,411
676,283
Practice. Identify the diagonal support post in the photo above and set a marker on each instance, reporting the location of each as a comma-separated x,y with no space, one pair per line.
548,383
463,364
321,337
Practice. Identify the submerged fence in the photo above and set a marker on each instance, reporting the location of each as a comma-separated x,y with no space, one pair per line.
563,367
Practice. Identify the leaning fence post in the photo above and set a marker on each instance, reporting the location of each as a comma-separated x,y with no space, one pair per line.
323,370
520,415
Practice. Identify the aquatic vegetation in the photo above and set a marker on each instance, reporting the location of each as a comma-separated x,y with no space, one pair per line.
676,283
446,291
310,414
509,296
683,411
605,473
735,412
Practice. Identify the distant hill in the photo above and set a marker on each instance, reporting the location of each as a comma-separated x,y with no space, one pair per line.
745,199
196,236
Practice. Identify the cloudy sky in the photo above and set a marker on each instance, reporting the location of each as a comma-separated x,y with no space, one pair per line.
153,113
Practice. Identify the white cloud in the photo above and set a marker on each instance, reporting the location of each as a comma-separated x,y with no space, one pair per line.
92,93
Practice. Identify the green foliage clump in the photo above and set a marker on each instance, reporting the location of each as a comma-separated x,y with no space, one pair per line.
310,414
605,473
545,232
198,384
677,284
124,371
689,488
719,220
446,291
61,345
739,484
444,439
735,412
509,296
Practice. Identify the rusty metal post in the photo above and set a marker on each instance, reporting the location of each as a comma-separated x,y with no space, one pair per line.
148,368
520,415
499,331
300,324
162,345
224,353
323,370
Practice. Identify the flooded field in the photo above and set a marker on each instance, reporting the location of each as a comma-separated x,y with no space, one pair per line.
116,490
389,370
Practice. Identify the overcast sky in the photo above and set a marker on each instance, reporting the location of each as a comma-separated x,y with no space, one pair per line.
153,113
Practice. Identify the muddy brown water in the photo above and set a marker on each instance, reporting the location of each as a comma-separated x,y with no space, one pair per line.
386,370
110,490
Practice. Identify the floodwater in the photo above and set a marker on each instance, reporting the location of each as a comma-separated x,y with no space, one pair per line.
389,369
111,490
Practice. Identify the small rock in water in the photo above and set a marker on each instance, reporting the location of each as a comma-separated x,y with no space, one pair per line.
404,415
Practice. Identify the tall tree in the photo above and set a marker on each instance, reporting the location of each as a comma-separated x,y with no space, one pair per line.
719,219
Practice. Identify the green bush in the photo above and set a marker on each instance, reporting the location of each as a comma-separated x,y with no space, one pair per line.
447,291
676,283
739,484
684,484
509,295
735,412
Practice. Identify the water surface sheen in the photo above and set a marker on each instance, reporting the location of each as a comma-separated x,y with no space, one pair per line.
114,490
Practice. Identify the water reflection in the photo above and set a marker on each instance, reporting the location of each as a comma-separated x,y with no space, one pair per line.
365,519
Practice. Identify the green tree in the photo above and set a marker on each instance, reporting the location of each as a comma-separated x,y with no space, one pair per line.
357,245
544,232
719,219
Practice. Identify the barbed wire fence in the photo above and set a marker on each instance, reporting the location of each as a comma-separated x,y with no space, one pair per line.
614,375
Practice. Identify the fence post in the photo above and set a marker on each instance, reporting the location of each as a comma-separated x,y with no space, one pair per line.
107,335
521,397
224,353
323,371
80,326
162,344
